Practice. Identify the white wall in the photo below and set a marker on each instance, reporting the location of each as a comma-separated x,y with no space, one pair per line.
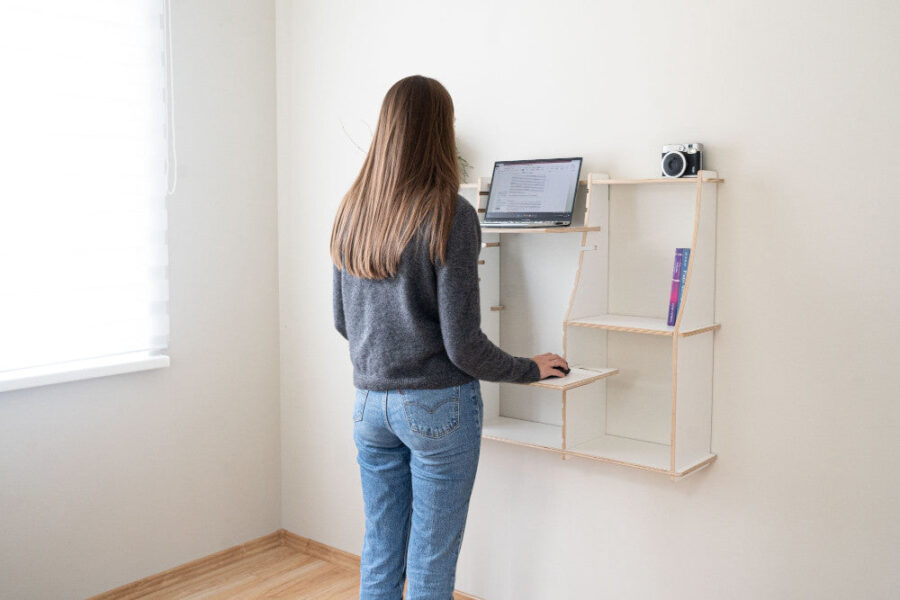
797,104
109,480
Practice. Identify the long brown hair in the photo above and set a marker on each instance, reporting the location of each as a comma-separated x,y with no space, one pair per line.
410,177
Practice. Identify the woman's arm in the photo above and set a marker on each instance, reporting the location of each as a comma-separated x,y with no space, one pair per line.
460,311
338,303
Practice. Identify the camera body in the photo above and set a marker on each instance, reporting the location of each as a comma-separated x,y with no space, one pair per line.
682,160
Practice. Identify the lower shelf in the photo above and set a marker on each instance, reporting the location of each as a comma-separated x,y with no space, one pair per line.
525,433
614,449
648,455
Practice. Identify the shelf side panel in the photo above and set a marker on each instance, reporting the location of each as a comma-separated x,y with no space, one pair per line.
489,291
489,279
578,209
490,398
596,213
698,302
693,399
490,323
490,390
590,291
469,191
483,186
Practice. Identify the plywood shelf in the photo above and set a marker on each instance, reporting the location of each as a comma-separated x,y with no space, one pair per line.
577,377
526,433
631,324
656,414
704,178
637,453
561,229
623,450
677,180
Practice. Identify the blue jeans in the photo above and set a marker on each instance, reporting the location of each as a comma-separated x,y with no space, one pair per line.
417,453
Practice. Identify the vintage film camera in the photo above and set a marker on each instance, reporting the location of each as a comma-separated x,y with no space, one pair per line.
682,160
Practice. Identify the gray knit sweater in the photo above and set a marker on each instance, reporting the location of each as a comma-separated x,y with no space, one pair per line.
421,329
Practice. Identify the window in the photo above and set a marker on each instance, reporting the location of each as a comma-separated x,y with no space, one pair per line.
84,158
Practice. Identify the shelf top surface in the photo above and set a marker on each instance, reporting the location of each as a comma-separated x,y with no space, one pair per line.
596,179
577,377
703,177
681,180
634,324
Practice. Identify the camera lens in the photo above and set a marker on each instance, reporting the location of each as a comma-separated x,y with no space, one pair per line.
674,164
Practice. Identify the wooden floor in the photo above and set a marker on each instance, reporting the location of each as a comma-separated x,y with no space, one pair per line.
281,565
280,572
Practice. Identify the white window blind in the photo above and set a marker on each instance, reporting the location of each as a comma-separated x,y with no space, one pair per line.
84,171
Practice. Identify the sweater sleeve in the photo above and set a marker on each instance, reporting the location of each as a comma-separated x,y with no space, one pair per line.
337,300
460,311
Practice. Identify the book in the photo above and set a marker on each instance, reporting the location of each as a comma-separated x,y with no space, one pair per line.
685,260
679,277
675,287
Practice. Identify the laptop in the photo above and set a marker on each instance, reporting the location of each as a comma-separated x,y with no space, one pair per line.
533,193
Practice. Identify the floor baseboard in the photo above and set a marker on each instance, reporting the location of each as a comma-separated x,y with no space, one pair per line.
319,550
175,576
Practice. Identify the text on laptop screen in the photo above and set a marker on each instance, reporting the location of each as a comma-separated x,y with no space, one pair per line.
534,189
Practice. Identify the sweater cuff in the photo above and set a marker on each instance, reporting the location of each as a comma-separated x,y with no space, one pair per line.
533,374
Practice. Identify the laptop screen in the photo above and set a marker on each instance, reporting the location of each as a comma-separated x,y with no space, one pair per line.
533,190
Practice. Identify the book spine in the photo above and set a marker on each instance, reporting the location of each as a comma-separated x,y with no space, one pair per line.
685,261
676,285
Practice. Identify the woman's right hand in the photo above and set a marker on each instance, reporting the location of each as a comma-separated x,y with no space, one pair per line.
548,362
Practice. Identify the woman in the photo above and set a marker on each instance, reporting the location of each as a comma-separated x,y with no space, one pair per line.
405,248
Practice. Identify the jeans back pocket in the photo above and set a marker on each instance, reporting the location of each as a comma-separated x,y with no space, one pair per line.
432,413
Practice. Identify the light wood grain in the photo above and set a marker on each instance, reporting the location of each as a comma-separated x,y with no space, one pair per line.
631,324
281,565
705,178
686,306
320,550
196,569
